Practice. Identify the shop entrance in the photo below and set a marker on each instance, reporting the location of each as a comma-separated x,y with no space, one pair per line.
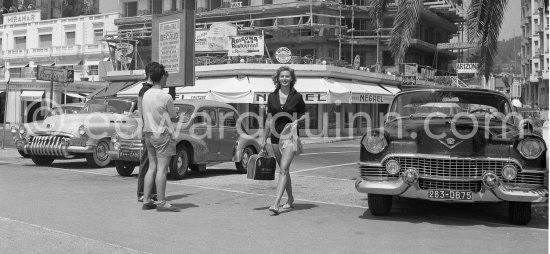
32,111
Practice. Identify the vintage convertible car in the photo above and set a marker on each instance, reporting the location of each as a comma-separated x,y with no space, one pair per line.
479,154
84,134
206,132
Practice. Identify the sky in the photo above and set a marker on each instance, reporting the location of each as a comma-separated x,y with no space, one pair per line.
512,20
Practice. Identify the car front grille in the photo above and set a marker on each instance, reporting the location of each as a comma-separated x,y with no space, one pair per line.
429,184
47,145
453,169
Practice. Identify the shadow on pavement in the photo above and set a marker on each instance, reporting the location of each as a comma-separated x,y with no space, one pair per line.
184,205
295,207
453,214
211,173
176,197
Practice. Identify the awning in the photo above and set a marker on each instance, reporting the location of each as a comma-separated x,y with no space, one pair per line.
31,95
363,92
68,62
75,95
42,63
18,65
112,89
392,89
91,62
231,90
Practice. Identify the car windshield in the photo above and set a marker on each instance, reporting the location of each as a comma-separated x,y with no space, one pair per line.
64,109
449,103
117,106
184,112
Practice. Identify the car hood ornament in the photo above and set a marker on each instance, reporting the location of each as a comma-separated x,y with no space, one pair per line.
450,142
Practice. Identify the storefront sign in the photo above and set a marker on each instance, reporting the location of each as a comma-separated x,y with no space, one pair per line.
309,98
21,17
246,45
371,98
283,55
169,45
180,96
54,74
456,45
466,67
410,70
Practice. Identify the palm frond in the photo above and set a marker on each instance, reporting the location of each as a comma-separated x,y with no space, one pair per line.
484,22
404,26
377,11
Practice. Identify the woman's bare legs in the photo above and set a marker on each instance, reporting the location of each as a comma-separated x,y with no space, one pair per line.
150,177
284,177
288,187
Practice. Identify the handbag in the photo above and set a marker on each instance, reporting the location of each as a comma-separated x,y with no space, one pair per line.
261,167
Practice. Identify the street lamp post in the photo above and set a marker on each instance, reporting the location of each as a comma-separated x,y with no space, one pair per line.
7,79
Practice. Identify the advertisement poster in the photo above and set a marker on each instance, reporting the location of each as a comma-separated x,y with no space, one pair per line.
252,45
201,43
216,38
169,45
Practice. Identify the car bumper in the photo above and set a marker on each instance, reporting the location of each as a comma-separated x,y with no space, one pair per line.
499,193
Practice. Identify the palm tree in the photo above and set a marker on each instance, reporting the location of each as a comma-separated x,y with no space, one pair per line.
484,20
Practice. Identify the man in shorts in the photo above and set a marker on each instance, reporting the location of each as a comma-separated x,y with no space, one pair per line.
144,160
158,129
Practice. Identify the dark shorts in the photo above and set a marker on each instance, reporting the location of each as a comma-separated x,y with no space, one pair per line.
160,145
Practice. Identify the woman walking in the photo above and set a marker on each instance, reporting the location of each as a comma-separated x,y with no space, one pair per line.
285,108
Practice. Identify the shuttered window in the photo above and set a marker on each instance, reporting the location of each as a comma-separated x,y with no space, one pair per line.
45,40
20,42
70,38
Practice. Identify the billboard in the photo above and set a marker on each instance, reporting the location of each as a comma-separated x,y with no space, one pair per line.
215,38
173,45
54,74
250,45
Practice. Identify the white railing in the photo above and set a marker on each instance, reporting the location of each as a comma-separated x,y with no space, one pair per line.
39,52
66,50
94,48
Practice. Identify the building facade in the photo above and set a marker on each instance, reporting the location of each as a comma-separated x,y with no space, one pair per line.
26,41
534,52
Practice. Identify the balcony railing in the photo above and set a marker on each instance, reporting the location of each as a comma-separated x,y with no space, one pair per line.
66,50
15,53
94,48
39,52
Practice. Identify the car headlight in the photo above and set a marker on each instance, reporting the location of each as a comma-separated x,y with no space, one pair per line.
82,130
22,130
375,142
13,130
531,148
115,138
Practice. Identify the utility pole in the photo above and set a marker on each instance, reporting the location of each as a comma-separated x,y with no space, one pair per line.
352,28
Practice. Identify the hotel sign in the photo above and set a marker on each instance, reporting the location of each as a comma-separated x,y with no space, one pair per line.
466,67
21,17
54,74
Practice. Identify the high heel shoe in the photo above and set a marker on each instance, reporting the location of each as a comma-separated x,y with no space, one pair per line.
274,209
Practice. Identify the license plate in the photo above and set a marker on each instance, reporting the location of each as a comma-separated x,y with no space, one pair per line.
129,155
450,194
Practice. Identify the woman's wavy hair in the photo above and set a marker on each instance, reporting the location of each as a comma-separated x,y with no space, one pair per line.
276,77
